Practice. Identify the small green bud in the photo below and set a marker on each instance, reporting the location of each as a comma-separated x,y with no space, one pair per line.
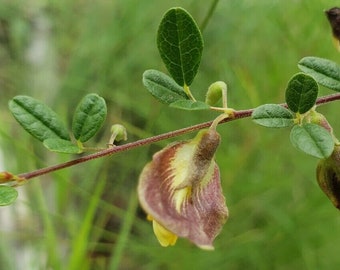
214,92
118,133
328,176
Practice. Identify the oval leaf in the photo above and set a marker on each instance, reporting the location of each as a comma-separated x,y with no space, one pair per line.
312,139
7,195
301,93
62,146
324,71
88,117
273,115
190,105
180,44
37,118
162,87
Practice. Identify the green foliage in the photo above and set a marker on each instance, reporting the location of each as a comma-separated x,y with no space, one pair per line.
273,115
301,93
37,118
190,105
7,195
44,124
324,71
89,116
278,214
312,139
62,146
162,87
180,44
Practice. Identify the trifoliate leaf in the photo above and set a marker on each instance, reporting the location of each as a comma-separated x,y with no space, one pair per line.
312,139
180,44
162,87
190,105
62,146
7,195
301,93
37,118
89,116
324,71
273,115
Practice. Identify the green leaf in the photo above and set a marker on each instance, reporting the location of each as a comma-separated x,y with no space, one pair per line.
324,71
62,146
273,115
7,195
312,139
301,93
89,116
180,44
37,118
190,105
162,87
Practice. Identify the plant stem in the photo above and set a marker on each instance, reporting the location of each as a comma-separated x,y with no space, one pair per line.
117,149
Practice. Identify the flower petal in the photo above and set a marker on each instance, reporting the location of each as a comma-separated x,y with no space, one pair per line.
182,193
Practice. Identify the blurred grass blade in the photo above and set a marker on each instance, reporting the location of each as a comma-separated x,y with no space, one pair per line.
180,44
272,115
190,105
301,93
62,146
7,195
324,71
37,118
312,139
89,116
162,87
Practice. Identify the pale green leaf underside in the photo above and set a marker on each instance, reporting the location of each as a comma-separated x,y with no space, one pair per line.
89,116
180,44
190,105
324,71
312,139
62,146
301,93
162,87
37,118
7,195
273,115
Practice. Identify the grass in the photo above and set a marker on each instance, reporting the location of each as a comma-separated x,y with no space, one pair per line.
87,217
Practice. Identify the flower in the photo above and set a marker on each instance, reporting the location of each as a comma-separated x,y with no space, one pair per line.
328,176
181,192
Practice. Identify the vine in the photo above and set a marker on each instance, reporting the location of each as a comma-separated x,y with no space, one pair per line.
190,187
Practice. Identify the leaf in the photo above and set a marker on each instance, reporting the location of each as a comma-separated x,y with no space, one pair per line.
301,93
7,195
180,45
37,118
62,146
312,139
273,115
190,105
89,116
162,87
324,71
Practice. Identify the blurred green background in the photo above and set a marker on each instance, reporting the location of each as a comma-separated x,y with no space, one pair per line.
87,217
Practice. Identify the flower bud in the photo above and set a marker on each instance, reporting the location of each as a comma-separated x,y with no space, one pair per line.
328,176
214,92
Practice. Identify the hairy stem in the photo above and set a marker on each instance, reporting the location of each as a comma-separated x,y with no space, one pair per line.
117,149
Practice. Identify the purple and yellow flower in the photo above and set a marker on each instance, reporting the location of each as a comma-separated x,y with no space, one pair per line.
181,192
